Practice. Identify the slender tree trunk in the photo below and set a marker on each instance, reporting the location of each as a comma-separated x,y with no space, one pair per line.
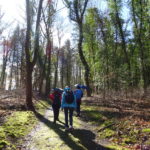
17,71
29,64
138,37
5,59
124,47
48,75
42,77
83,60
62,75
55,78
106,51
10,77
3,74
29,87
56,72
22,69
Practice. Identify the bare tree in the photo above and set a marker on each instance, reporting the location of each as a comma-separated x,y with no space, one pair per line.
77,9
29,61
6,44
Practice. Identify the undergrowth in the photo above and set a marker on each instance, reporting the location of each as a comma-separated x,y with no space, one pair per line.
124,132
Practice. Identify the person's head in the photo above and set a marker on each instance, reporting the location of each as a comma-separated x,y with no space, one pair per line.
55,90
67,88
77,86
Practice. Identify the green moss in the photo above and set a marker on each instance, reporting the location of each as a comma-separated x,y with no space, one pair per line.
18,125
89,108
117,147
107,133
2,133
93,115
107,123
146,130
3,143
128,140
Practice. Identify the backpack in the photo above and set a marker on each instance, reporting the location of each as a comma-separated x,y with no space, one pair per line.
56,99
69,97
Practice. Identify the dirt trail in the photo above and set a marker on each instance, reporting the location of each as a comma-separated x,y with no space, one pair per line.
49,136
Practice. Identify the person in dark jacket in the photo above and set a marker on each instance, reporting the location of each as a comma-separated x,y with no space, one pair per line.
55,97
68,104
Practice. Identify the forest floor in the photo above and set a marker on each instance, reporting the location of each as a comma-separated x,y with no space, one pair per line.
118,123
49,136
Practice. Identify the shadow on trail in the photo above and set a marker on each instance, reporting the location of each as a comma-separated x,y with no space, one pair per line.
86,137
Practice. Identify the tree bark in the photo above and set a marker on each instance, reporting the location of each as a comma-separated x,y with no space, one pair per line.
124,47
83,60
29,87
29,63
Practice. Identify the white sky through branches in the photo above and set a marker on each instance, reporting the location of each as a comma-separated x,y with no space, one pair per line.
12,9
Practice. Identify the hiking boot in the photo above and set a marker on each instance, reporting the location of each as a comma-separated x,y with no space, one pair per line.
71,128
57,119
78,115
66,128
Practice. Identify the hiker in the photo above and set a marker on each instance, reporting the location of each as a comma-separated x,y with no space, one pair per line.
68,104
79,94
55,96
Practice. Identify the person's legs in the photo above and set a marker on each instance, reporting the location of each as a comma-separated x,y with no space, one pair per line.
71,116
78,108
57,112
54,112
66,116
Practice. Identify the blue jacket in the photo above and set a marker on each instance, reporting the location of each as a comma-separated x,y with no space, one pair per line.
64,104
78,93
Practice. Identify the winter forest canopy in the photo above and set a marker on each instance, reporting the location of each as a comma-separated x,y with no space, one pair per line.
103,44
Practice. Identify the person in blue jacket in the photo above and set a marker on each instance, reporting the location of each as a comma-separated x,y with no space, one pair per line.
68,104
79,94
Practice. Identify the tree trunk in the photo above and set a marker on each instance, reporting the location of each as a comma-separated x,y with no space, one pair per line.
48,75
29,87
124,47
3,74
55,77
83,60
62,68
142,49
10,77
29,64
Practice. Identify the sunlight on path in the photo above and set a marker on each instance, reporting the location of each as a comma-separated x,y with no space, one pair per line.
49,136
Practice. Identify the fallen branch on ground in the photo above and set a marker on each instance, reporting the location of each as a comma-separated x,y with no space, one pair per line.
102,129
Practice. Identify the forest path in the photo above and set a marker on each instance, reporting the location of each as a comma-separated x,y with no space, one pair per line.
49,136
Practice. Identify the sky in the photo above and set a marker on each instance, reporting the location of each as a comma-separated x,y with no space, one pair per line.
14,13
13,9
